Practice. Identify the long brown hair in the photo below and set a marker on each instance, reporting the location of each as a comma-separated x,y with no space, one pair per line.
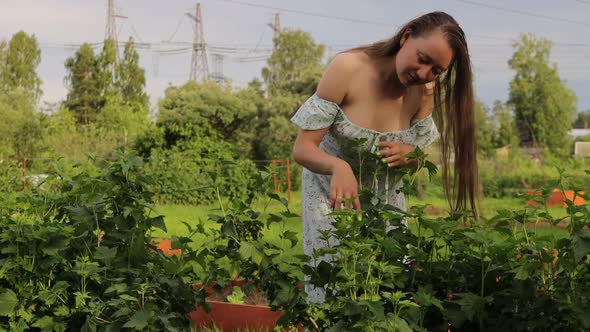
453,105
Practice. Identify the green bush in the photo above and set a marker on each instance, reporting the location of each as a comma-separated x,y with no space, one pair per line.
199,172
11,175
507,177
452,273
77,256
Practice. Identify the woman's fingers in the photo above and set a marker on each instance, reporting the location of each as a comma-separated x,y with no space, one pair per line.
357,206
388,160
337,200
348,200
395,163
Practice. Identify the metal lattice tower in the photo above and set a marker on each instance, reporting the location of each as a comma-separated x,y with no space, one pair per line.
276,28
217,74
111,28
199,66
111,31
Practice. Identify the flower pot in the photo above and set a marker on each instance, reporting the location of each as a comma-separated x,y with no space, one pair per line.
558,198
231,317
165,245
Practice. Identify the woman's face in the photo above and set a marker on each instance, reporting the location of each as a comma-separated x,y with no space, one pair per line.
421,59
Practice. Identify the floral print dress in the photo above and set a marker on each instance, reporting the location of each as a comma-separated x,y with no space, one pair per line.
344,140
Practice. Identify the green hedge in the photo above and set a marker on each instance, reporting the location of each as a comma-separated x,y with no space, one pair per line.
197,172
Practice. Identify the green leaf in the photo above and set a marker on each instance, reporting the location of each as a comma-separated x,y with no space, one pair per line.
237,296
425,298
54,247
139,321
8,302
581,244
127,210
402,326
285,293
279,199
291,236
432,169
249,250
62,311
105,253
45,323
473,304
158,222
127,297
118,288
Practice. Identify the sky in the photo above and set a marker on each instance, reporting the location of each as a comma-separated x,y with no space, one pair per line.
238,31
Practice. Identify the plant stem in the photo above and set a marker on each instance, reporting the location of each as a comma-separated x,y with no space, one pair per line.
219,200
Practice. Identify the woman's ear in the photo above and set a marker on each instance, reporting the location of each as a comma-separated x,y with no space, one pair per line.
405,37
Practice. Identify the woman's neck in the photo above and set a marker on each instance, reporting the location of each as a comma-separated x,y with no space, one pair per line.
389,78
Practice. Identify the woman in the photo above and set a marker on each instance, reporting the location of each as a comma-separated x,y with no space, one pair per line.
387,94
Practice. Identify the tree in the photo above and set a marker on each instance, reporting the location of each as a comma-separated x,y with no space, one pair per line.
84,95
124,121
276,134
295,66
21,133
132,77
582,120
96,79
543,106
3,53
20,62
486,129
208,110
291,76
107,71
507,132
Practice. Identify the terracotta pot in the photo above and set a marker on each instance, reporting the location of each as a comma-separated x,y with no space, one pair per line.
166,246
557,198
231,317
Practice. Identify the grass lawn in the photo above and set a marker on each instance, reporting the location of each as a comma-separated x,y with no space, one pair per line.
175,215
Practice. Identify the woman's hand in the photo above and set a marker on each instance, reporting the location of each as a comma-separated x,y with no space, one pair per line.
344,186
394,153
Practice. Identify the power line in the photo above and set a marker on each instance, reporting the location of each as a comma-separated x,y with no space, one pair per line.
177,28
377,23
302,12
525,13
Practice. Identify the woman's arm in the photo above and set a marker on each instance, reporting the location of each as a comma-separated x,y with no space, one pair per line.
333,86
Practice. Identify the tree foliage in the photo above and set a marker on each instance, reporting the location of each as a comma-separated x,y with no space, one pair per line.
95,79
544,107
291,75
84,93
212,110
131,77
295,66
19,63
582,120
20,128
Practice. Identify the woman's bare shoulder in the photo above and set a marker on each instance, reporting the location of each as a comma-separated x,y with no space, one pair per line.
340,72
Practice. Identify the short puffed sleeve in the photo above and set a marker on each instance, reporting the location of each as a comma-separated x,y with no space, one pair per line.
315,113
